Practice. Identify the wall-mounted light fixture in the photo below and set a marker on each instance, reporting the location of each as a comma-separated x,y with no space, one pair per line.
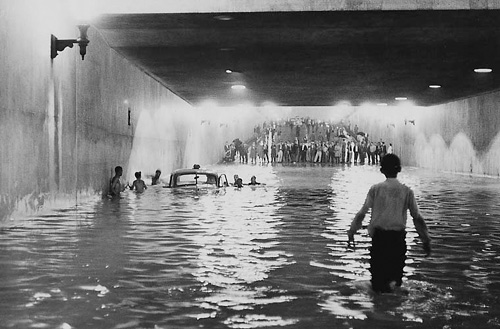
59,45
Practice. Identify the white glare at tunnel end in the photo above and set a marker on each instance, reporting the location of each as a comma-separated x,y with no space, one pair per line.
84,13
269,104
207,104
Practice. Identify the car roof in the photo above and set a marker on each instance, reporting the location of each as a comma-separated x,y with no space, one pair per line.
193,171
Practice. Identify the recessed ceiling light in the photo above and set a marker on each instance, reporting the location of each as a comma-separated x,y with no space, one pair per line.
223,18
401,98
483,70
434,86
238,87
229,71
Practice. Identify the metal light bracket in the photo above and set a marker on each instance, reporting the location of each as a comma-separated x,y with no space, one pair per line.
59,45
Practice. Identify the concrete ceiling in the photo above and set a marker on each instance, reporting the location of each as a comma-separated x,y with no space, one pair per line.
316,58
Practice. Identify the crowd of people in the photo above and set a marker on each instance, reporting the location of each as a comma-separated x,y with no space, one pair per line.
307,141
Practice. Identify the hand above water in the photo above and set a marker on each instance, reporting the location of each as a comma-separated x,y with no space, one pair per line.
350,239
427,249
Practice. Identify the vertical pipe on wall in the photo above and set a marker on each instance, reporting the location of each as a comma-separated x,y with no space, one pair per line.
75,153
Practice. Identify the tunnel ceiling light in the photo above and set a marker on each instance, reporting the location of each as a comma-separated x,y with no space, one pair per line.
381,104
401,98
238,87
483,70
59,45
229,71
434,86
223,18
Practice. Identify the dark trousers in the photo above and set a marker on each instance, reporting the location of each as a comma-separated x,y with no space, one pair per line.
387,259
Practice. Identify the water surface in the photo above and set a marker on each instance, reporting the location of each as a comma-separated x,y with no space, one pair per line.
272,256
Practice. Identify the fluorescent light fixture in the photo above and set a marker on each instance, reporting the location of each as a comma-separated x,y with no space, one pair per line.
381,104
223,18
483,70
238,87
434,86
401,98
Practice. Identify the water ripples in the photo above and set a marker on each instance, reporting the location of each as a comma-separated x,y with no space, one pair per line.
269,256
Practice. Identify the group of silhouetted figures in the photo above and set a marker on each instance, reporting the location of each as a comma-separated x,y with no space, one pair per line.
116,186
306,141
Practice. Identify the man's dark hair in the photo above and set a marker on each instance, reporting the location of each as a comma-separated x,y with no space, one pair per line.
390,164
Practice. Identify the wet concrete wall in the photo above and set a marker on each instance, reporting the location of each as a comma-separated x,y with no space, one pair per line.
64,123
461,136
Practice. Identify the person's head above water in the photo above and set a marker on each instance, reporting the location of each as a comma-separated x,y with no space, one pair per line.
390,165
118,170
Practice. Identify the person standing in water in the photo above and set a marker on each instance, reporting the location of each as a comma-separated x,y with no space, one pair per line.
116,186
156,178
389,200
253,181
138,184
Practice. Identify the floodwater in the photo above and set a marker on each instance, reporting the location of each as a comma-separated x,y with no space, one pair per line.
272,256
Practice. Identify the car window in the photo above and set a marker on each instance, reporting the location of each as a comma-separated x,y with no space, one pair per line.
211,179
192,179
187,179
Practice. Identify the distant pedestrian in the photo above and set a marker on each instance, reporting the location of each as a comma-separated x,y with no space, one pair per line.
390,149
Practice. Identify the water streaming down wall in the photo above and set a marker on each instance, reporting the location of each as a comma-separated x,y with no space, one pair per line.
461,136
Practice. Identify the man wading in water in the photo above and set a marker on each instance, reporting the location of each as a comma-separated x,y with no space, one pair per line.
389,201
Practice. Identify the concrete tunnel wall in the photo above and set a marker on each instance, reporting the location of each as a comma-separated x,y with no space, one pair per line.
64,123
461,136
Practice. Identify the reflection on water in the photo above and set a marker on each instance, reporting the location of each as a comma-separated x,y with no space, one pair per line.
268,256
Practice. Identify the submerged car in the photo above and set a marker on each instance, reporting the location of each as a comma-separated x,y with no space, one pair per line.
197,178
